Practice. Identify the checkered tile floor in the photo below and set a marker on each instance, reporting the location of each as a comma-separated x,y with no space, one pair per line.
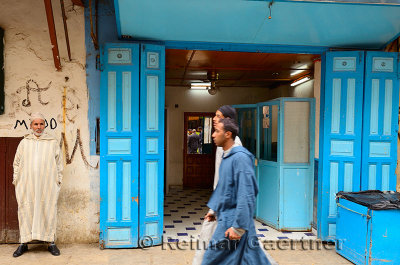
184,212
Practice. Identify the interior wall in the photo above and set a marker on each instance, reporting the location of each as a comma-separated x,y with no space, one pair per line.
317,96
181,99
305,90
312,89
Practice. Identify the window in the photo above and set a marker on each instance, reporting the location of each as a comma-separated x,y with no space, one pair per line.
269,133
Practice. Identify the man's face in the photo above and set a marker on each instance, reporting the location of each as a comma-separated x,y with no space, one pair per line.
219,136
37,127
217,117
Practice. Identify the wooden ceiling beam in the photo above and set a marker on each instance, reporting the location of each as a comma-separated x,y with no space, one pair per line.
187,65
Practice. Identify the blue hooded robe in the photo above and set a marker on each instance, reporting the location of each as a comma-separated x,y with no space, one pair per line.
233,201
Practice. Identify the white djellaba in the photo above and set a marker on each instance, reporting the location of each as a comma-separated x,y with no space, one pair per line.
38,171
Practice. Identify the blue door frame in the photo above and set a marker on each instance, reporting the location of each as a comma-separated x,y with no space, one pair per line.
154,226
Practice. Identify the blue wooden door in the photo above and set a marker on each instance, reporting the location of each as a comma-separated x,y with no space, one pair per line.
119,146
268,141
152,100
296,163
381,104
340,134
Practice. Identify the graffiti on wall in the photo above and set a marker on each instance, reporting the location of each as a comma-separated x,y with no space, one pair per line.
70,102
32,86
78,142
52,124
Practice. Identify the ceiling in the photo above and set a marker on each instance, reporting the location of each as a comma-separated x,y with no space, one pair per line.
301,23
236,69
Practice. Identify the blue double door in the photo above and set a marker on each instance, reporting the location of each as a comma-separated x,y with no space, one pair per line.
358,128
131,145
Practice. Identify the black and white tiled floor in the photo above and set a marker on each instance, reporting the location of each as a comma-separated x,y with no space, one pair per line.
184,212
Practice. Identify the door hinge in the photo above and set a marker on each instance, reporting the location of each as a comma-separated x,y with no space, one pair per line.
99,65
101,241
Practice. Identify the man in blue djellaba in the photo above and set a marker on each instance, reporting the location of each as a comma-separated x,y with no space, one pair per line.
233,201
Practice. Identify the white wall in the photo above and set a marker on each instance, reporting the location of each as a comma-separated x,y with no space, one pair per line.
305,90
200,101
28,56
317,96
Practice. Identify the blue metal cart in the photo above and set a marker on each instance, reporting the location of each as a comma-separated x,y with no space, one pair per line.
367,228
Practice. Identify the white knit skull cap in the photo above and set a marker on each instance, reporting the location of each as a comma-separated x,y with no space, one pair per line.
36,115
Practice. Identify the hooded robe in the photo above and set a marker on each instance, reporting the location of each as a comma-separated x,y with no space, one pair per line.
233,201
38,167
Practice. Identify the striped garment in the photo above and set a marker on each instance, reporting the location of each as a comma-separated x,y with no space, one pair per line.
38,167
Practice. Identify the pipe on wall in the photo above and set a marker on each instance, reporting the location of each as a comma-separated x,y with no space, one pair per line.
65,28
53,35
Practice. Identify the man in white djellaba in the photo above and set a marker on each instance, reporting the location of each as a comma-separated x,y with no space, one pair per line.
38,172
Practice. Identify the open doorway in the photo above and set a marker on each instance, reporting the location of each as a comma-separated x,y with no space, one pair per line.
199,150
235,78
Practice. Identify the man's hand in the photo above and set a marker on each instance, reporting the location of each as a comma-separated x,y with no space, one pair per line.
232,234
209,217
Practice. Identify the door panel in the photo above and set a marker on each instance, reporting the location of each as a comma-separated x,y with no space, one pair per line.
152,100
9,229
342,130
119,149
267,170
381,104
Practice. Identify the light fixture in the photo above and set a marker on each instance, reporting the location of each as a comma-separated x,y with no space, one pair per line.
212,76
200,85
300,80
298,71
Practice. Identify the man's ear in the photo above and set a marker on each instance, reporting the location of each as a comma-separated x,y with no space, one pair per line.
228,134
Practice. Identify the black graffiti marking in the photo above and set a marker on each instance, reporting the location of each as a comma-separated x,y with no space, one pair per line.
18,122
78,141
26,102
53,124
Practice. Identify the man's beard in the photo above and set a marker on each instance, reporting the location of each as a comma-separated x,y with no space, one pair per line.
37,133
